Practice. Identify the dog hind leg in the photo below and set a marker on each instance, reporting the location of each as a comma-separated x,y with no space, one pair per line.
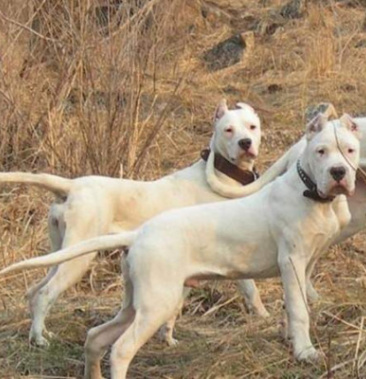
102,336
59,279
151,311
56,229
166,331
143,327
253,302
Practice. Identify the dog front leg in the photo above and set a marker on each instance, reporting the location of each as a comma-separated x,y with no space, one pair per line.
292,267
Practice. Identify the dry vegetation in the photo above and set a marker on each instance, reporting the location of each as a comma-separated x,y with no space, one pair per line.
121,88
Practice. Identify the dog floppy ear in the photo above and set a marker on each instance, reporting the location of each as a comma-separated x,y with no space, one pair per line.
220,110
316,125
348,122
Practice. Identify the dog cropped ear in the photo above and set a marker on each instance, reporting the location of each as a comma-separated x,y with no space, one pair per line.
220,110
330,112
316,125
348,122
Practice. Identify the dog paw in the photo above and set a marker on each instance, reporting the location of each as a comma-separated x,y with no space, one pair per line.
165,336
172,342
262,312
49,335
310,354
39,341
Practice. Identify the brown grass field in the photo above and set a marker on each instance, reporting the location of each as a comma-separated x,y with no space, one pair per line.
122,89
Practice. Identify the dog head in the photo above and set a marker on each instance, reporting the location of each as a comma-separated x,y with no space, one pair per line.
237,133
332,154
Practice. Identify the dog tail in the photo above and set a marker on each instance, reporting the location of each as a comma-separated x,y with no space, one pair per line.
107,242
56,184
277,169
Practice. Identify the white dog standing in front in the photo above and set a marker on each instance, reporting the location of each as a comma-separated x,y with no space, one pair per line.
93,205
280,230
356,203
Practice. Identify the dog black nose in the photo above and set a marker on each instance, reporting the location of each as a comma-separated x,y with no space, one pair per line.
245,143
338,173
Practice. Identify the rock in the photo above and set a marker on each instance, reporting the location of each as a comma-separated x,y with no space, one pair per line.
229,51
293,9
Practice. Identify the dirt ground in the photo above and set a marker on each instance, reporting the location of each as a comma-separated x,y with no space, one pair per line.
132,94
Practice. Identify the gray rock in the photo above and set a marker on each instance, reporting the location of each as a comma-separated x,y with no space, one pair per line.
225,53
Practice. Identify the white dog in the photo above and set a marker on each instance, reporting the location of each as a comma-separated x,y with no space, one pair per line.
90,206
280,230
356,203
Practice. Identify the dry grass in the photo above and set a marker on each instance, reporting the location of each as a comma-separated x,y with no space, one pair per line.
81,94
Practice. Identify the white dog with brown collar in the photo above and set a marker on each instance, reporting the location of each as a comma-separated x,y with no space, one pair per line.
93,205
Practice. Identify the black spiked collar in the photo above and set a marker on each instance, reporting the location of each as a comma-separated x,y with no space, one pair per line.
312,189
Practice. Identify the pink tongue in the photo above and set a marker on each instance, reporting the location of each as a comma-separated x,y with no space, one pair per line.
251,152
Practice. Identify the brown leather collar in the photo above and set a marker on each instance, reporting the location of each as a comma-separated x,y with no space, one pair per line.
234,172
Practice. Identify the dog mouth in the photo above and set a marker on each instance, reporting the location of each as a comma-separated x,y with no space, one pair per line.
245,155
337,189
250,153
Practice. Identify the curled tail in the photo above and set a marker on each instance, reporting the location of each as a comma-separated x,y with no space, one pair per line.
277,169
56,184
106,242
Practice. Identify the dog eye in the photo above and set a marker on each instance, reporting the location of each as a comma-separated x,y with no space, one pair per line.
229,130
252,127
350,151
321,151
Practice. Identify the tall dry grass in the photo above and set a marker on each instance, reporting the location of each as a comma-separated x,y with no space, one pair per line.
82,83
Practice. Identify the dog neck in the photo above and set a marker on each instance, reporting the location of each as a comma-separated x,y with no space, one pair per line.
311,191
222,165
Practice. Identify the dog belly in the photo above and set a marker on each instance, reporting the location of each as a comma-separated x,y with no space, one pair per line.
232,275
